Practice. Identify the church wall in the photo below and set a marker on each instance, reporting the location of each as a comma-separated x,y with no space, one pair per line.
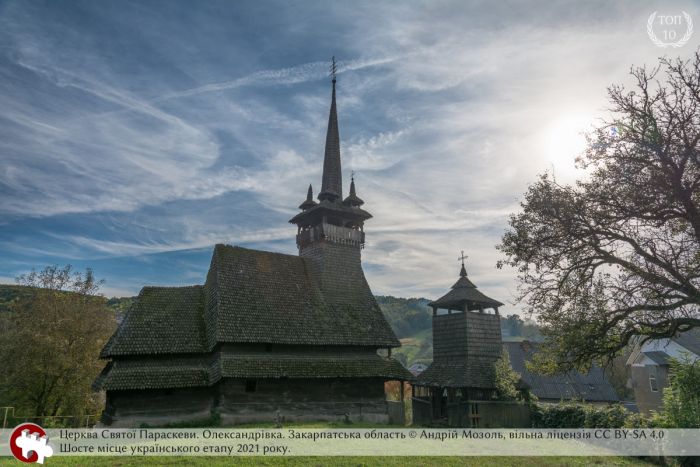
303,399
156,407
297,399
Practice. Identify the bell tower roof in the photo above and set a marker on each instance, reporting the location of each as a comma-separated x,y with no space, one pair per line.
464,295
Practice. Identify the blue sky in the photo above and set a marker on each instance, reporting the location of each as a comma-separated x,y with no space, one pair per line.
136,135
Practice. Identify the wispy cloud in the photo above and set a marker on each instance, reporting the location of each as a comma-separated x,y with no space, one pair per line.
147,133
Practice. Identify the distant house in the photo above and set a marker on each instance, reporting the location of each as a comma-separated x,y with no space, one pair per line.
594,387
650,367
505,332
417,368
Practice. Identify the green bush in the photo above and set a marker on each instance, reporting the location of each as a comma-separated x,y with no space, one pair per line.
576,414
681,402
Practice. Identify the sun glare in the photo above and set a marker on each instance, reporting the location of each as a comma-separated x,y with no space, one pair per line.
564,141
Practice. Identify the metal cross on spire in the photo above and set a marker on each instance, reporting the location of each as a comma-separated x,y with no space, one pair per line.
462,258
334,68
352,174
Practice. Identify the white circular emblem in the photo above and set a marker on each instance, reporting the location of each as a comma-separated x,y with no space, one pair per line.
670,20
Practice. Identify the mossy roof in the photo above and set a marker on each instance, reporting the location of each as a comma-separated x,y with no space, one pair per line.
162,320
206,371
175,373
467,373
250,296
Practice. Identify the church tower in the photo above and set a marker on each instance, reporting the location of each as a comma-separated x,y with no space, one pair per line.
331,232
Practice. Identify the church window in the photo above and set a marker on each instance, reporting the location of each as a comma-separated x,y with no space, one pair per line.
652,381
250,385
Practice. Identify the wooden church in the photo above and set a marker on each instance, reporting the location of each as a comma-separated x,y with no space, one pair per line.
266,331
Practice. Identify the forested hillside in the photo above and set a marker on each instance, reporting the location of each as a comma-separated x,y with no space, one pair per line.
10,294
407,316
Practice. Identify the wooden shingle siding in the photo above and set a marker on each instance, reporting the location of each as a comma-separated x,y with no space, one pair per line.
466,346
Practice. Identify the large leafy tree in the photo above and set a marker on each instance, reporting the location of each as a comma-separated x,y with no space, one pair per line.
50,343
617,254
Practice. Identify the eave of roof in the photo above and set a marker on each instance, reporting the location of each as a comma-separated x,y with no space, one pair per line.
326,207
208,370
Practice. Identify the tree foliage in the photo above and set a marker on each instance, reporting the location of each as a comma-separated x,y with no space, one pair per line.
50,343
406,316
681,402
506,379
617,254
120,305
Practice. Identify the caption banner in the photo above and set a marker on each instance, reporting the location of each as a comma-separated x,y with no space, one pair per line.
368,442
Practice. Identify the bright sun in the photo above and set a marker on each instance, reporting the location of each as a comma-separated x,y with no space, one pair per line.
564,141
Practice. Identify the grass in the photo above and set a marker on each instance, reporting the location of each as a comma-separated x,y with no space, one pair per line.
411,346
339,461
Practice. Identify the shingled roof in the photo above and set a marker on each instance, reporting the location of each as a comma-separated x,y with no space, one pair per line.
250,296
162,320
326,207
353,200
332,183
473,373
593,387
464,293
689,340
658,356
207,370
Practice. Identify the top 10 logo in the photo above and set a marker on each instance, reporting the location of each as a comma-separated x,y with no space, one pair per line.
670,28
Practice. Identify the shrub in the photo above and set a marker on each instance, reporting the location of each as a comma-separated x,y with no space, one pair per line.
575,414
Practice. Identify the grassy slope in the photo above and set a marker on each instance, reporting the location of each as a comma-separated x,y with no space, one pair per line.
411,347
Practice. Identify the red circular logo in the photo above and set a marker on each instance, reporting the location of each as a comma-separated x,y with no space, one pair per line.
17,433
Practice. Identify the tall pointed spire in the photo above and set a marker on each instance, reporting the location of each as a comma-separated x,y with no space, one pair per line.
332,183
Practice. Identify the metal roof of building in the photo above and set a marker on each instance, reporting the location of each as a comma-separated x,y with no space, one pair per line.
593,387
658,356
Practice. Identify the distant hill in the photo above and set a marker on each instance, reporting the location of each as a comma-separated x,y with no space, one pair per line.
121,305
406,316
10,294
